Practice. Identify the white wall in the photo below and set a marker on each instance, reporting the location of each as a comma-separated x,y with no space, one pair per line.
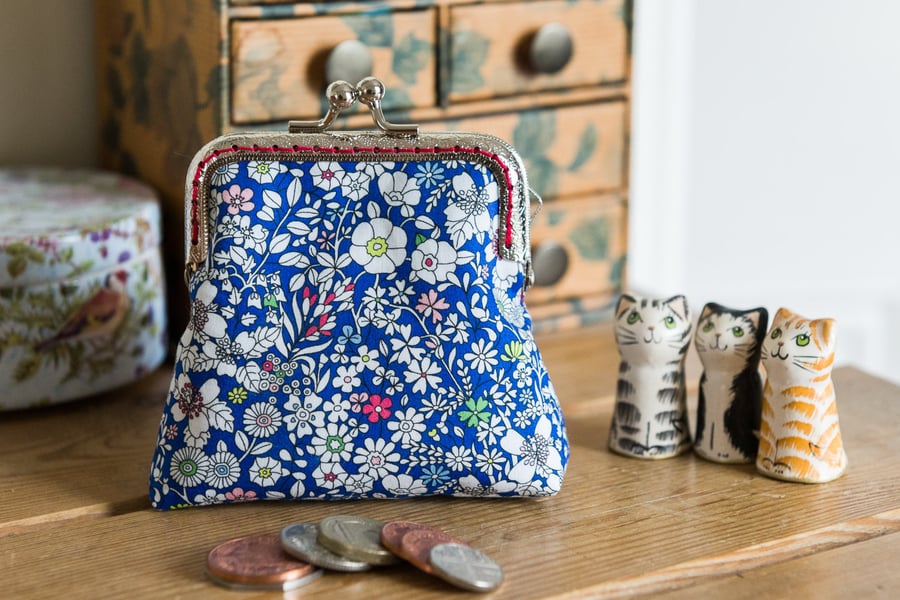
766,161
47,93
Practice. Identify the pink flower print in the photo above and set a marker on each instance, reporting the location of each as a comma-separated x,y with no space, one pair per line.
377,408
239,495
357,401
237,199
430,306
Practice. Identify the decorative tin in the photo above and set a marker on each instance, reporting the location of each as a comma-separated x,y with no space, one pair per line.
82,306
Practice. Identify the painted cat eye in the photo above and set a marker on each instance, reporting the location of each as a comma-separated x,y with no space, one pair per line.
633,318
802,339
708,327
776,333
670,322
737,331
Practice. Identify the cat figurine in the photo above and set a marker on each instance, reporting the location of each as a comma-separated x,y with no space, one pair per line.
729,343
650,415
800,437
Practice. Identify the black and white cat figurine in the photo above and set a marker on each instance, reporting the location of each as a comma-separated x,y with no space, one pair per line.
650,416
729,343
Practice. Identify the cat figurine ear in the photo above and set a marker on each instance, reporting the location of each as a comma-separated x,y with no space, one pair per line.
650,416
729,342
800,437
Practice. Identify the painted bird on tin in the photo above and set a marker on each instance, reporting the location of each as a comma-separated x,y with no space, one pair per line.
98,316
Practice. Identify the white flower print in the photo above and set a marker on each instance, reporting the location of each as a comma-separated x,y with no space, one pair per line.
303,414
224,173
337,409
262,419
263,171
458,458
209,498
408,426
378,246
355,185
332,443
225,353
189,466
330,476
266,471
377,458
491,431
205,320
347,378
326,175
423,374
433,260
467,215
224,468
365,358
471,487
406,347
399,190
482,356
536,455
252,237
404,485
202,408
490,460
361,483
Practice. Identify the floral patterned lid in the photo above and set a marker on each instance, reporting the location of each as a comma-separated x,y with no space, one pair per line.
59,223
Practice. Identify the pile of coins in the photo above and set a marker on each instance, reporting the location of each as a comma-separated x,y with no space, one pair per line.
349,544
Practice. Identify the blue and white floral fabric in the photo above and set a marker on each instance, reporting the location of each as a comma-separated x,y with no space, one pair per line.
355,335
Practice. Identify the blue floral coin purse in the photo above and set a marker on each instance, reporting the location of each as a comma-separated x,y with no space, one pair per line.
357,326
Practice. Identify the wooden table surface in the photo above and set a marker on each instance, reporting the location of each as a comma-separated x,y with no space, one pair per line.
75,520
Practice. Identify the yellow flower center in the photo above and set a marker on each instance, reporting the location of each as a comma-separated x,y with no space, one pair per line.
376,247
265,472
262,168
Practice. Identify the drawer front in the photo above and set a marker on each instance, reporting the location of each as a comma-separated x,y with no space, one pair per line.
504,49
567,151
278,65
578,248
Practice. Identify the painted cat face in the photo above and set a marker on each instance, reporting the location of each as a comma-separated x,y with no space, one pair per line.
726,336
652,331
797,343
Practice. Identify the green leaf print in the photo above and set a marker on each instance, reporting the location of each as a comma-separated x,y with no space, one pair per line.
534,132
375,30
591,238
587,143
411,55
469,52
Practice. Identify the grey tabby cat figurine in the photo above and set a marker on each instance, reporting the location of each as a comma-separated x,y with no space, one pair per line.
650,416
729,343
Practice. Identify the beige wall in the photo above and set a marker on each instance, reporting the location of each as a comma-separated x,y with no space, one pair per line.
47,90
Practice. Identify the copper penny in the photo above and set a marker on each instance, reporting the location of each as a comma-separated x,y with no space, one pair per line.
392,534
255,560
416,546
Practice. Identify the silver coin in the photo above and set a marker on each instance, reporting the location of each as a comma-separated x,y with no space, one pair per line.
299,540
285,586
466,567
355,538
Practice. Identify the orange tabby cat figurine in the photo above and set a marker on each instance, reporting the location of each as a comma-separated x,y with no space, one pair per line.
800,438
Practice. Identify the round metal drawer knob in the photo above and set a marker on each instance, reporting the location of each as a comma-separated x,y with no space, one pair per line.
550,49
350,60
550,262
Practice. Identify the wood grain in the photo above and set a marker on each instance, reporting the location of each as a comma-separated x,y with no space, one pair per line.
75,522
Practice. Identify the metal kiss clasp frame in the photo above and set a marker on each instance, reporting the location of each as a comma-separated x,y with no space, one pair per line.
342,95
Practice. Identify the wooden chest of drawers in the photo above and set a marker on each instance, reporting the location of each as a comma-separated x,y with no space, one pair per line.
175,74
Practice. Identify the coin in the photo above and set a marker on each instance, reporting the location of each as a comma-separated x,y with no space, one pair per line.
417,544
392,534
355,538
255,561
299,540
286,586
465,567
